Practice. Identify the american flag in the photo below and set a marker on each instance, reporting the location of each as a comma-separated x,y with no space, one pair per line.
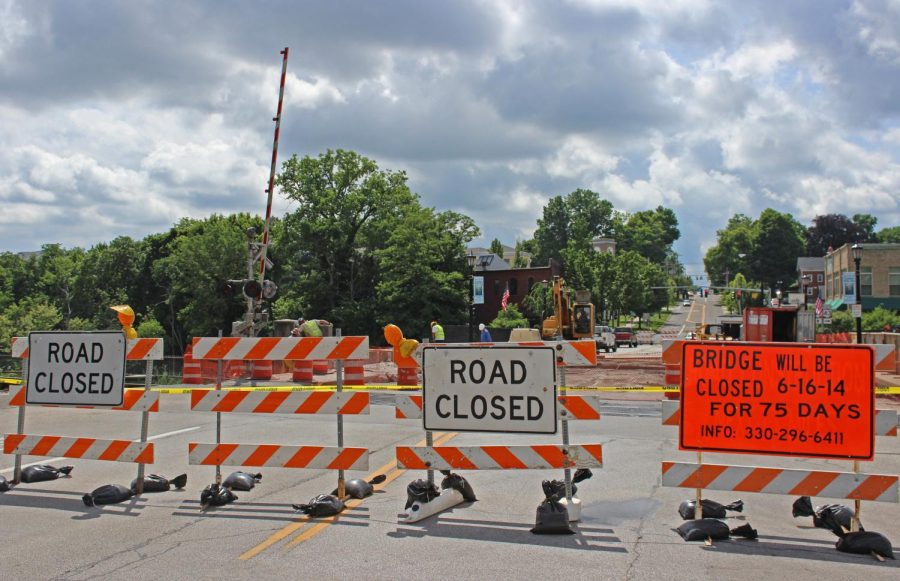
818,306
505,298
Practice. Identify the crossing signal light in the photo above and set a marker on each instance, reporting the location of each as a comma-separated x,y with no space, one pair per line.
250,288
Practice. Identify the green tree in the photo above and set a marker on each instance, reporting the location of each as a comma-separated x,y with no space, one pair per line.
422,270
29,314
496,247
650,233
733,251
56,271
777,243
201,255
150,328
511,318
878,318
835,230
577,218
345,204
889,235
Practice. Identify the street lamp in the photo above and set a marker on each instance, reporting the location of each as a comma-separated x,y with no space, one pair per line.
470,259
856,252
804,283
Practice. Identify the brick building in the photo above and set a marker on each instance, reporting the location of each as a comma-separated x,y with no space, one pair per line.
499,275
814,267
879,275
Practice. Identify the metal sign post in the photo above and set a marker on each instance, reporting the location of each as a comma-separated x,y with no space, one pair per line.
567,472
339,381
145,422
20,424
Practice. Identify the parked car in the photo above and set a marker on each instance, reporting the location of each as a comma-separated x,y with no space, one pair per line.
625,336
685,303
605,338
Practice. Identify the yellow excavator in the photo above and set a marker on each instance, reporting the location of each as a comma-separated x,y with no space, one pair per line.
569,320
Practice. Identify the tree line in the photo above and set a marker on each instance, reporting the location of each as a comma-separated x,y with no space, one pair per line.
358,248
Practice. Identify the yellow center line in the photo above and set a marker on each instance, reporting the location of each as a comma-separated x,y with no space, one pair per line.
297,525
316,529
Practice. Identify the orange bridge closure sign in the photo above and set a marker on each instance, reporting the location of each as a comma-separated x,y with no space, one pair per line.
778,399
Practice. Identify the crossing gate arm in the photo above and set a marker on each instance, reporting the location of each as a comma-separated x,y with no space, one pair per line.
885,420
842,485
499,457
84,448
135,349
280,402
572,407
134,400
273,455
281,348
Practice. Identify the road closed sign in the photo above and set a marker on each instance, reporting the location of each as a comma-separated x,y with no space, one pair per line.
76,368
776,398
489,389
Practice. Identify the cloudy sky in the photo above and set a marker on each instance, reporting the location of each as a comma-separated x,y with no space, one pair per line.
120,117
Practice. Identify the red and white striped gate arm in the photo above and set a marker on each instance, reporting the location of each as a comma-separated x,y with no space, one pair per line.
133,400
844,485
499,457
885,420
135,349
281,348
320,457
573,407
280,402
85,448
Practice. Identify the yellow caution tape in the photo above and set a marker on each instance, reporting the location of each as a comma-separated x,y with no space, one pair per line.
10,381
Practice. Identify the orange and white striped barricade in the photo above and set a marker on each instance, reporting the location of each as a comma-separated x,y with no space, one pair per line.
671,356
566,456
782,399
136,400
266,349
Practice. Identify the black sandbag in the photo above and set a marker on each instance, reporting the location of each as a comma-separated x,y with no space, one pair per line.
43,473
107,494
4,484
551,518
711,508
745,531
706,528
457,482
865,543
216,495
157,483
582,474
322,505
420,491
242,481
802,507
834,517
359,488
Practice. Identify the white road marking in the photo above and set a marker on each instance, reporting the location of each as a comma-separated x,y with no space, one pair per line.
156,437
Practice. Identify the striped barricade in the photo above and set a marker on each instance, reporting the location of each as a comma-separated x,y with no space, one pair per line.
281,348
500,457
279,402
577,353
320,457
885,420
842,485
573,407
133,400
266,349
135,349
84,448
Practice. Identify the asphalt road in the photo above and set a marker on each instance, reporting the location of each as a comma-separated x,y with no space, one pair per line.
626,530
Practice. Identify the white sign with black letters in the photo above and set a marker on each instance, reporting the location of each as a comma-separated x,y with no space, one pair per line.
489,389
86,368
